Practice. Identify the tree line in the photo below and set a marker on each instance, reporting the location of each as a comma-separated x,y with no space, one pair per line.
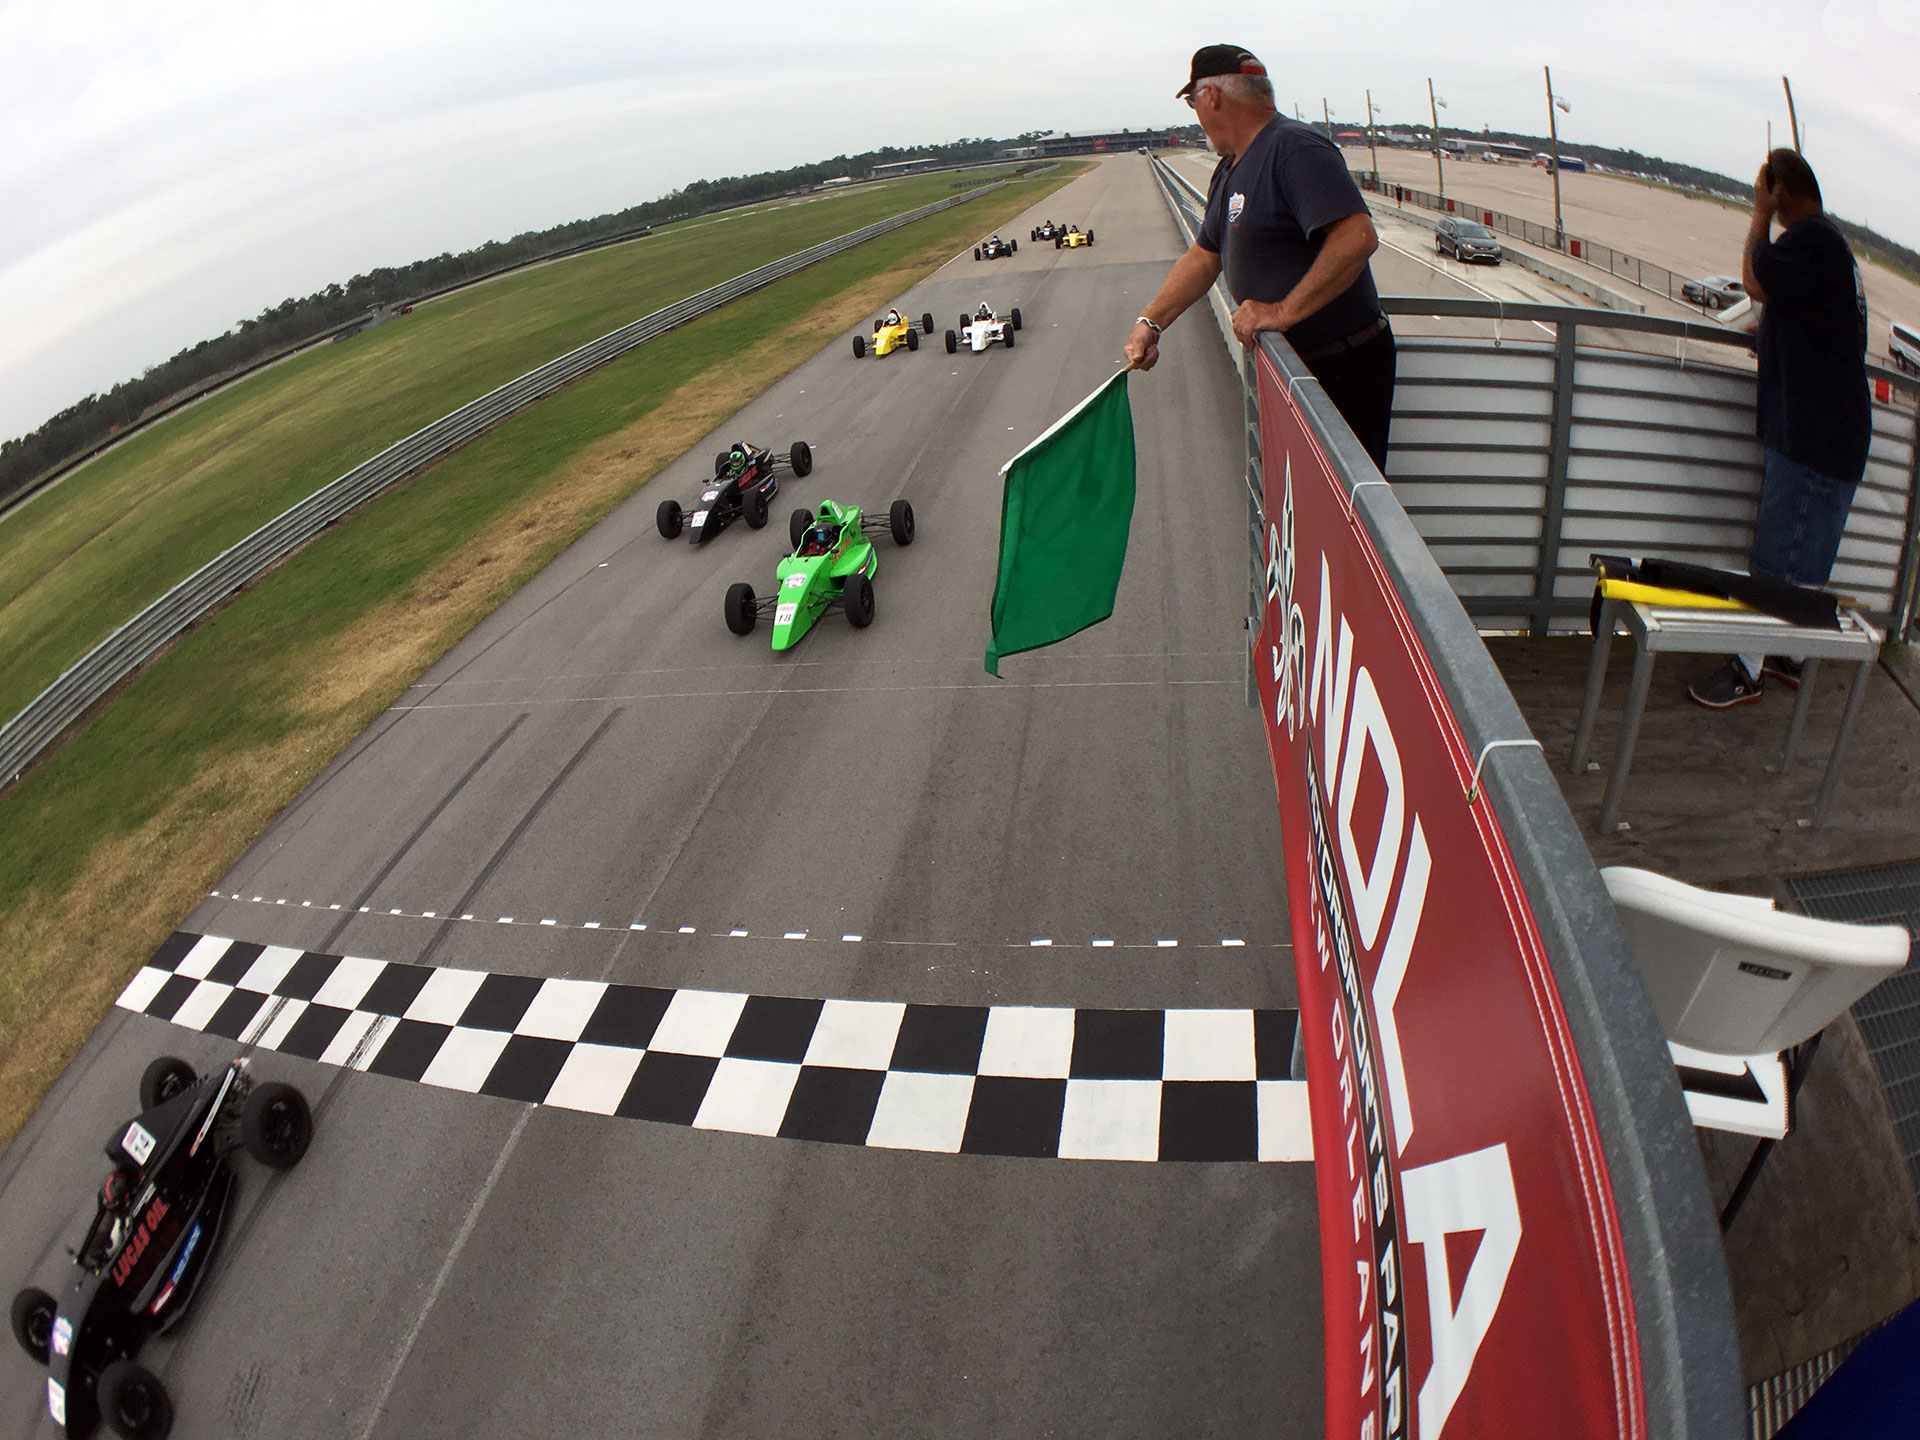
86,425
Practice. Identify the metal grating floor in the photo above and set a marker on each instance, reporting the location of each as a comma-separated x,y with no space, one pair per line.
1889,1015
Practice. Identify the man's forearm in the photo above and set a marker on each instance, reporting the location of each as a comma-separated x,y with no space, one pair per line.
1757,235
1345,253
1189,279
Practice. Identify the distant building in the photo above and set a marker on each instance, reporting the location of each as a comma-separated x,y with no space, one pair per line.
903,167
1101,142
837,180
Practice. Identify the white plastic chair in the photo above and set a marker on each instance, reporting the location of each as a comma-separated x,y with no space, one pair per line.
1732,976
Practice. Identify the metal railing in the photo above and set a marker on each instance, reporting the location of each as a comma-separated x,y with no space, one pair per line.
68,698
1643,274
1517,459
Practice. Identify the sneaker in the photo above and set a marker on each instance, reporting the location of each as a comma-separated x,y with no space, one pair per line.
1783,670
1726,687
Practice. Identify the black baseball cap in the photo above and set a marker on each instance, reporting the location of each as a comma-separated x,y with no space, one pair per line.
1212,60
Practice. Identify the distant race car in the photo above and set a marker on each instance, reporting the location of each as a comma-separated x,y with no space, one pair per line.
745,480
994,248
154,1231
1715,291
980,329
1046,230
833,563
1072,237
891,331
1466,240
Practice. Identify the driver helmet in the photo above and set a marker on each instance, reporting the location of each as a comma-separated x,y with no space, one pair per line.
821,538
985,312
893,317
116,1191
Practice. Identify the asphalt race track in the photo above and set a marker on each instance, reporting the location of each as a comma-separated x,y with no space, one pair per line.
602,753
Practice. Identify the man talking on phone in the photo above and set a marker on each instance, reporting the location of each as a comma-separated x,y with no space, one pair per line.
1814,418
1286,222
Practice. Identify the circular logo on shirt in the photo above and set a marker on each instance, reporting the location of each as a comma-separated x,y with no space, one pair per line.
1236,202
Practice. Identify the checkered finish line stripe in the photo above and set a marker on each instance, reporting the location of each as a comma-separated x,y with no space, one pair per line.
1084,1084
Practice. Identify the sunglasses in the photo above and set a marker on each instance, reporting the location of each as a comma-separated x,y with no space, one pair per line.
1193,94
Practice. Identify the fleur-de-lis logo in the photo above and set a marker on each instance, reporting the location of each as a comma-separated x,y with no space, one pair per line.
1289,654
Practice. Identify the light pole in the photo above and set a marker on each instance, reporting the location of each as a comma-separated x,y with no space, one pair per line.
1329,119
1434,106
1553,131
1372,148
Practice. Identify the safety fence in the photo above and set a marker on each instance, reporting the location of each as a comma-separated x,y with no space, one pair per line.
1643,274
134,643
1359,647
1517,459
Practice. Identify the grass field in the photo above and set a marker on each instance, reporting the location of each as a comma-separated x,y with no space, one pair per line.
108,842
90,553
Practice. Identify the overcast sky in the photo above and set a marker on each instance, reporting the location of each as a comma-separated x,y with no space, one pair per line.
169,169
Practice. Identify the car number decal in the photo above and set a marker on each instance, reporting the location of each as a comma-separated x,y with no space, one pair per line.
699,518
783,614
62,1335
56,1401
138,1142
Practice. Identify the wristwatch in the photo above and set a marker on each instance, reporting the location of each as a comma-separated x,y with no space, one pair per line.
1143,320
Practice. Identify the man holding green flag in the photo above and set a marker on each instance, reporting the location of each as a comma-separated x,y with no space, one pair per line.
1063,526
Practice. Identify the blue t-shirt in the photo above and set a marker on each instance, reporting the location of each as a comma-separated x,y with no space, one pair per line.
1267,215
1813,406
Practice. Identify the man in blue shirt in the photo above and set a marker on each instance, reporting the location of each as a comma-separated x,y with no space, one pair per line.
1288,227
1814,417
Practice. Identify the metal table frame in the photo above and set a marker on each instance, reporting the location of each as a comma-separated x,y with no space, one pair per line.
1660,628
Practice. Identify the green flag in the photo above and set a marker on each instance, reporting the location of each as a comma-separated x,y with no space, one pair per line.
1063,526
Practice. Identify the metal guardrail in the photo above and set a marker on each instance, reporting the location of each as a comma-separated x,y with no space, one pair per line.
134,643
1516,459
1688,1354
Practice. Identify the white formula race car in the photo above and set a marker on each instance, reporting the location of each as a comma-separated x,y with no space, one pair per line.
980,329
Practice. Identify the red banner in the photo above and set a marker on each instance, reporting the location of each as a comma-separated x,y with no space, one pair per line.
1474,1279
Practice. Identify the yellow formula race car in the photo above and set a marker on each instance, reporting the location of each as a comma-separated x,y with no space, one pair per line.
891,331
1072,238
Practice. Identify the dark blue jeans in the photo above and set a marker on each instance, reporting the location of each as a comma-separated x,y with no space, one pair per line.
1802,513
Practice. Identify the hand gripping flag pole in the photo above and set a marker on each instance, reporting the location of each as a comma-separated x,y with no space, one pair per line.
1064,518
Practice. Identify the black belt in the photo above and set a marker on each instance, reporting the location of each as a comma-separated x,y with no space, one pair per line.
1352,342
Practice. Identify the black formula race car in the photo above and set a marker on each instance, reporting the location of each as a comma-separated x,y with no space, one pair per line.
994,248
1046,230
152,1239
745,480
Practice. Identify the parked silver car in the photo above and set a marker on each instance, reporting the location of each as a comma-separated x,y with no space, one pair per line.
1716,292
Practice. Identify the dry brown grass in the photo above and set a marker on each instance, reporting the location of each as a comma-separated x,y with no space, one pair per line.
70,954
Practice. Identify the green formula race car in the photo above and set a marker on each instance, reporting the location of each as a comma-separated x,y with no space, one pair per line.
833,563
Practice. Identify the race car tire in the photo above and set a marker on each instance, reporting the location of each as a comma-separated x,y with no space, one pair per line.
1058,242
275,1125
798,524
926,322
669,518
859,346
976,252
900,520
742,614
800,458
1015,317
720,463
1006,338
965,320
1089,237
858,596
163,1079
913,339
33,1314
133,1402
953,343
753,505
